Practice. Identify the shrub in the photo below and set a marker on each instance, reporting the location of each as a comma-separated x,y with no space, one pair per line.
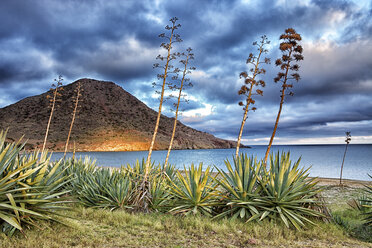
195,193
288,193
118,188
366,203
282,192
157,195
100,187
241,187
31,188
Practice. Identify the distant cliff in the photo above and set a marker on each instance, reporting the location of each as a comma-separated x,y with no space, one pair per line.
109,119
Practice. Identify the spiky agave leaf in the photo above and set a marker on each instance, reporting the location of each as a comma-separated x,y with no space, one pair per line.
159,187
100,187
169,171
367,204
79,170
241,187
152,195
117,191
160,196
30,187
288,193
195,193
137,170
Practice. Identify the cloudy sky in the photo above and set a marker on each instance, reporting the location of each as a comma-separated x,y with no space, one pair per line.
118,41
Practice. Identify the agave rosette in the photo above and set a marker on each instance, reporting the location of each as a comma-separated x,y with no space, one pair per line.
193,193
367,204
288,193
240,187
31,187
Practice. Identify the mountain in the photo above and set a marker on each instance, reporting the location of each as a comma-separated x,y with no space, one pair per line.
109,119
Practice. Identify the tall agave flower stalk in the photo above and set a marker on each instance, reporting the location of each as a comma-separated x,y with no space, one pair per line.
172,38
347,140
144,196
184,82
56,87
291,53
250,81
76,99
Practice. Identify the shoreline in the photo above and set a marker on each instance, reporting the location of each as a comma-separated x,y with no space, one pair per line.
245,146
354,183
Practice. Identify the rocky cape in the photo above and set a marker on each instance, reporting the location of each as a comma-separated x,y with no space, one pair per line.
109,119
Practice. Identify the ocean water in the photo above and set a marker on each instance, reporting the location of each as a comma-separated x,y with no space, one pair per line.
325,160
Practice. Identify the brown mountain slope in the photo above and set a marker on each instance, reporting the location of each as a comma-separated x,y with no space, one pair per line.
109,119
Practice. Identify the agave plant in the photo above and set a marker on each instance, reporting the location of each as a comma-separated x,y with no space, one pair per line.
195,193
160,196
137,171
101,187
80,166
117,190
31,187
79,170
367,204
169,171
288,193
241,187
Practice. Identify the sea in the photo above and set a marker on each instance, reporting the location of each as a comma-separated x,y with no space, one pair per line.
324,160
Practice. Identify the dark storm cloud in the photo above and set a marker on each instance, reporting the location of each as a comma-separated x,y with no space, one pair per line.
118,41
73,32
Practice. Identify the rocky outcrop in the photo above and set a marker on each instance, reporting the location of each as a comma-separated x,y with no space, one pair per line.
109,119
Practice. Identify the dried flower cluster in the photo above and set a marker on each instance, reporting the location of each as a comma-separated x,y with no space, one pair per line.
184,82
53,100
291,53
250,81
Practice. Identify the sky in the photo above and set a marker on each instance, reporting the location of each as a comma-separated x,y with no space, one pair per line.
118,41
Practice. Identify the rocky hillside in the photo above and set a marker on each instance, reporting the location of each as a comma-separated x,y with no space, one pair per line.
109,119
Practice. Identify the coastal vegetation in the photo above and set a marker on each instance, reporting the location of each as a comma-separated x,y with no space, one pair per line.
32,187
247,199
145,198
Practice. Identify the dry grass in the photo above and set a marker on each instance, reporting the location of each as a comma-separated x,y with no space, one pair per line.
102,228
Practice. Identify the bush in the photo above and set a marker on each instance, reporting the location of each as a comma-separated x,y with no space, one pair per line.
241,188
117,188
248,190
99,187
288,193
364,204
367,204
31,187
282,192
157,196
195,193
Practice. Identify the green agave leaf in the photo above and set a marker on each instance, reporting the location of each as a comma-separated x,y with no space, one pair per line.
11,221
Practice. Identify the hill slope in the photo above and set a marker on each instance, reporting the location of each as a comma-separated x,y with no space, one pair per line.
109,119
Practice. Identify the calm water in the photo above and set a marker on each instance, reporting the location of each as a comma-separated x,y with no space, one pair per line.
324,159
